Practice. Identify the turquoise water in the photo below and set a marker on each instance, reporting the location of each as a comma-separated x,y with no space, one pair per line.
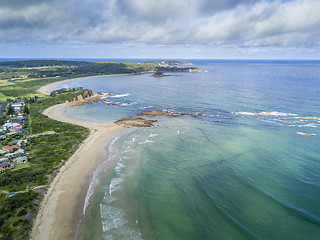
243,170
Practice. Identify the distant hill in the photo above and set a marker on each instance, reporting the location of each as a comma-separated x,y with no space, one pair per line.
168,63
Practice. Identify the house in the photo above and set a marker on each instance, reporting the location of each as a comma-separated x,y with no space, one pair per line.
21,159
3,137
3,160
20,100
2,153
6,165
22,142
17,129
18,153
10,134
18,106
18,119
9,125
10,156
10,149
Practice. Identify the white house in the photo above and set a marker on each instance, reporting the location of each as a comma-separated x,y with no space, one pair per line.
18,106
8,125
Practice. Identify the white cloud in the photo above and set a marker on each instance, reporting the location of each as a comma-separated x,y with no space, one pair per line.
215,23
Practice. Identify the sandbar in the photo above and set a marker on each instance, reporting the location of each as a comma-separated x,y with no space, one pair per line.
62,206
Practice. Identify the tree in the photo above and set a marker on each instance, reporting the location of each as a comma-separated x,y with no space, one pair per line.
26,110
10,110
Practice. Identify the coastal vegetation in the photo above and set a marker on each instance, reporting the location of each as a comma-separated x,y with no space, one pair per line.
46,154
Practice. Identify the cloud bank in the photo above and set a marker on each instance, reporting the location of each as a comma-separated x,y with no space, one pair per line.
240,23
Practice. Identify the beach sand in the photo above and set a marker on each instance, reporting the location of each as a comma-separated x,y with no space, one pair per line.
62,206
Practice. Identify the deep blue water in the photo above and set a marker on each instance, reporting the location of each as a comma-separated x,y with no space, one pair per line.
242,170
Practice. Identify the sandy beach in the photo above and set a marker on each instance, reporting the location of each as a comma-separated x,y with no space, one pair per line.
62,206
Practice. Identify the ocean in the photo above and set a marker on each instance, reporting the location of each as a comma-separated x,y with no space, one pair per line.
247,168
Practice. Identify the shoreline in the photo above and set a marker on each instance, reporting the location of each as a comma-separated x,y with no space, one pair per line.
61,208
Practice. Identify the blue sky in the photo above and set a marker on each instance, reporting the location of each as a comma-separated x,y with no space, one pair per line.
229,29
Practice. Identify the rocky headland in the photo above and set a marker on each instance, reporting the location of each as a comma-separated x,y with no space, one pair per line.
87,97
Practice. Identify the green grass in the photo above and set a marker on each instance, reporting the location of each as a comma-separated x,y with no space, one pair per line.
3,97
21,166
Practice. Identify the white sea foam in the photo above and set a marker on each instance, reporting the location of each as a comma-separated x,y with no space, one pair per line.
93,184
95,181
153,135
128,149
114,224
114,184
112,217
146,107
273,113
112,144
308,125
109,198
119,167
306,134
120,95
147,141
125,104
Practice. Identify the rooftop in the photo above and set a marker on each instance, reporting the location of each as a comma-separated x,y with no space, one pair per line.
11,147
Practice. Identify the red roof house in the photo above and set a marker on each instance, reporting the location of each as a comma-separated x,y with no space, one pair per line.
16,128
10,148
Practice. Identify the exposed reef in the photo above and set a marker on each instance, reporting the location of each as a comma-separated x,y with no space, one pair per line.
159,74
168,114
136,122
